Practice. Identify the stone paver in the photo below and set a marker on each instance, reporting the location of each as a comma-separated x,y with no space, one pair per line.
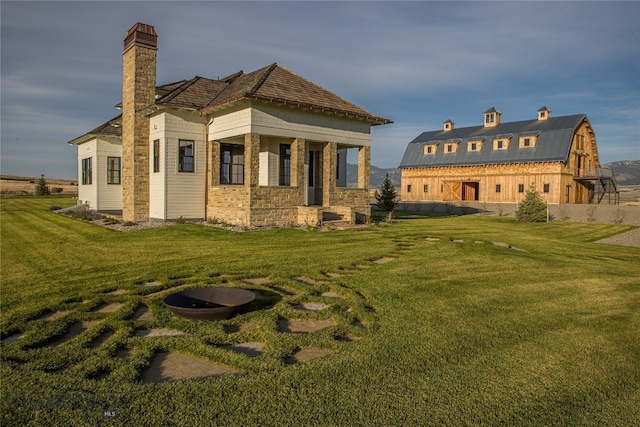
148,284
142,314
331,295
109,308
251,349
257,281
54,315
310,306
303,325
305,354
177,366
243,327
12,338
159,332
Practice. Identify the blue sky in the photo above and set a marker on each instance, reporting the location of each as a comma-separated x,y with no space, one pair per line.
416,63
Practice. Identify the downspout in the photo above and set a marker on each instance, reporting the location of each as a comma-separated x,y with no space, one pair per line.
205,139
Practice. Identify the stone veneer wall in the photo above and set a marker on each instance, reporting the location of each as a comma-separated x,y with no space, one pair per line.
138,91
256,206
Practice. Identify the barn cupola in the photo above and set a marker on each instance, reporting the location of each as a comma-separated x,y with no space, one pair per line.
492,117
544,113
448,125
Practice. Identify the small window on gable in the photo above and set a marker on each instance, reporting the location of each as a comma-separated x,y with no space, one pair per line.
430,149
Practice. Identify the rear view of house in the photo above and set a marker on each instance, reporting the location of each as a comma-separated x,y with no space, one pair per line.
265,148
499,162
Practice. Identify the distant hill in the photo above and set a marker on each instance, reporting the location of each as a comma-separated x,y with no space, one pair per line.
627,172
377,176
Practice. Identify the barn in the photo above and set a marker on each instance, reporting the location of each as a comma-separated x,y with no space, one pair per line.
497,162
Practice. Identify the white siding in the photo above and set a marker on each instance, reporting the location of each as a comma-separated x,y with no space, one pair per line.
157,180
100,195
109,195
88,194
290,123
185,191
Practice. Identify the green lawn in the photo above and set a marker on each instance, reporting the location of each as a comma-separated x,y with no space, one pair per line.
454,331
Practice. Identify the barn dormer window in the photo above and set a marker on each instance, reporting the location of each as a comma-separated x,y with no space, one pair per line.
474,145
528,140
501,142
430,149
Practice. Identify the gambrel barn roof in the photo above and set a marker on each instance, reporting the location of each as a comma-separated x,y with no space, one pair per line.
554,137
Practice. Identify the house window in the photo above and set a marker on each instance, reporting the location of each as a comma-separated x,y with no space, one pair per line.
474,146
409,188
545,188
498,188
113,170
520,188
86,171
285,164
231,164
185,155
156,155
426,188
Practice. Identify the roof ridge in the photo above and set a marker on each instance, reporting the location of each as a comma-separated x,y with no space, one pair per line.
177,91
264,77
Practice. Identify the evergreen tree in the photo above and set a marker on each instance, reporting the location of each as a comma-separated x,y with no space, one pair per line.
386,197
42,189
532,208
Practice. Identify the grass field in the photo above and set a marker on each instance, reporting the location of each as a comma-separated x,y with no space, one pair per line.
450,330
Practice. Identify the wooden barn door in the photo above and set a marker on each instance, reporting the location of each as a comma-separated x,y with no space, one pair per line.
452,191
470,190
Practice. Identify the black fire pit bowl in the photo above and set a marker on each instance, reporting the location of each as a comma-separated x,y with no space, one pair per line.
208,303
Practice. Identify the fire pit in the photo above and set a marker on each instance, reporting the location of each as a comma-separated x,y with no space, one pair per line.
208,303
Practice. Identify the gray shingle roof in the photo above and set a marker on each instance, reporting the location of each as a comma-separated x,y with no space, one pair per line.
275,83
110,128
554,138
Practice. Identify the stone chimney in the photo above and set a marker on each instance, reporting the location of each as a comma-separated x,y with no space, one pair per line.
544,113
448,125
138,91
492,117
